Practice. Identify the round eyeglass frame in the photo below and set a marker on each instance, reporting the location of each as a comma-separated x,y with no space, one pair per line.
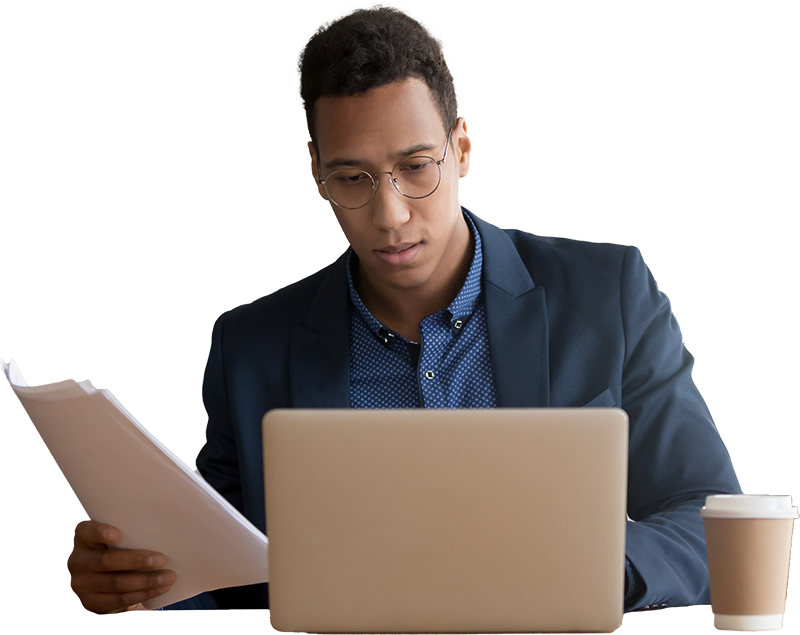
392,178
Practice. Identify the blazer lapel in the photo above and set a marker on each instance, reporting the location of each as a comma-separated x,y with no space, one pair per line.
516,314
319,348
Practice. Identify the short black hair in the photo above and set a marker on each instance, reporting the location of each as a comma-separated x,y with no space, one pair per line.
370,48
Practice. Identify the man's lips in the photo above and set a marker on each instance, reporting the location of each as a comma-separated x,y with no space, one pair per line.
393,249
400,254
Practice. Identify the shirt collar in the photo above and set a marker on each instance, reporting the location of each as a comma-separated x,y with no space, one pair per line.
462,305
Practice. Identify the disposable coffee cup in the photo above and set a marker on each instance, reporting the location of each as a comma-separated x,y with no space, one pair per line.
749,541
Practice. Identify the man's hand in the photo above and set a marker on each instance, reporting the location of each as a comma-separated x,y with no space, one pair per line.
113,580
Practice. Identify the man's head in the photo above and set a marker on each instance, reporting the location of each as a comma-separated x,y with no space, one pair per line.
381,109
371,48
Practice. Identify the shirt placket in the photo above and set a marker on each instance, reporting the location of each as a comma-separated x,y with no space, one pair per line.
434,336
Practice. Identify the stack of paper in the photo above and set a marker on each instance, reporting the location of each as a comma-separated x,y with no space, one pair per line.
124,477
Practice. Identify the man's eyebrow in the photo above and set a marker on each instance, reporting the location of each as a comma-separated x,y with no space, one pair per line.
354,163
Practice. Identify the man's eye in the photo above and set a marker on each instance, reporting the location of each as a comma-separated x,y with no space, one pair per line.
416,165
350,178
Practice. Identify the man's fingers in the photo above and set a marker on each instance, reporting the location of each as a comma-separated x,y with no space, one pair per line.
124,560
90,533
92,560
109,580
123,583
91,552
127,583
115,592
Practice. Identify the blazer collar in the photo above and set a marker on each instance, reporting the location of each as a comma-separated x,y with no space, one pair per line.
516,315
502,265
319,347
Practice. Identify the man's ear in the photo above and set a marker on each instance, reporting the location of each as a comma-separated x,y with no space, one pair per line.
315,170
462,146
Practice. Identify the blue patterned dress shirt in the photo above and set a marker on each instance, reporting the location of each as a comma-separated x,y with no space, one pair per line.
448,368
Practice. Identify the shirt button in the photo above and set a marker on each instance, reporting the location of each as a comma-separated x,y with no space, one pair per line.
458,324
429,374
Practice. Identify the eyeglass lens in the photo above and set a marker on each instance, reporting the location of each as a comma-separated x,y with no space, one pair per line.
415,177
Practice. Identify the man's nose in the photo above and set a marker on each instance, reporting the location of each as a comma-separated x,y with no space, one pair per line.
389,207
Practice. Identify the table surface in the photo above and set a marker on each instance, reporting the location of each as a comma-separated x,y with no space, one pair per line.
791,620
239,622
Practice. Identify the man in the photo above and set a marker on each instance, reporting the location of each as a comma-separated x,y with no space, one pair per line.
434,307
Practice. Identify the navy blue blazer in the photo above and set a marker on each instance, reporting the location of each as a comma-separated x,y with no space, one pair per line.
570,324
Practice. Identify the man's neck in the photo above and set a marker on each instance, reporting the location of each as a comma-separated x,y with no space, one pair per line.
403,309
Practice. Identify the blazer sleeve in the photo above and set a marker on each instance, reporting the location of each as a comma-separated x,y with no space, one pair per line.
676,454
218,460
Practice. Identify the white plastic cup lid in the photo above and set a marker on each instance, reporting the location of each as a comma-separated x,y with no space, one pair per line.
748,506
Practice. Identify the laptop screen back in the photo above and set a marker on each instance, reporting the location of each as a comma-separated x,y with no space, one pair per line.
506,520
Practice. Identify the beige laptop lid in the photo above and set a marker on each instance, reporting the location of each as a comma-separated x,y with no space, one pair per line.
446,521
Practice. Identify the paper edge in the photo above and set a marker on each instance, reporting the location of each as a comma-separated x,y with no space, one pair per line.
13,375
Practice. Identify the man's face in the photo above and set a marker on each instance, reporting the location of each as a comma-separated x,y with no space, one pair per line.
401,243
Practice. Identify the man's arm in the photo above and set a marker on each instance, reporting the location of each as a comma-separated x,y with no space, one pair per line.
676,454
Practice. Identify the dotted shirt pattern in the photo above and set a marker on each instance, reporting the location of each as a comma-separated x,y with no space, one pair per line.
449,368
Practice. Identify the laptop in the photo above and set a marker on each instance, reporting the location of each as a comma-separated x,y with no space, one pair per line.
446,521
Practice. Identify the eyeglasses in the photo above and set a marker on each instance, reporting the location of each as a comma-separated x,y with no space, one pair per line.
414,177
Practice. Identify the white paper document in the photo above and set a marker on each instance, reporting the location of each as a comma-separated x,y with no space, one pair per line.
124,477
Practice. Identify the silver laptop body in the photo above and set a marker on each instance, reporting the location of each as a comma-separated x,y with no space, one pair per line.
446,521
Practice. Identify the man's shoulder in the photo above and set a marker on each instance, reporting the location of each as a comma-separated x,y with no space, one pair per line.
549,259
527,242
529,245
289,304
